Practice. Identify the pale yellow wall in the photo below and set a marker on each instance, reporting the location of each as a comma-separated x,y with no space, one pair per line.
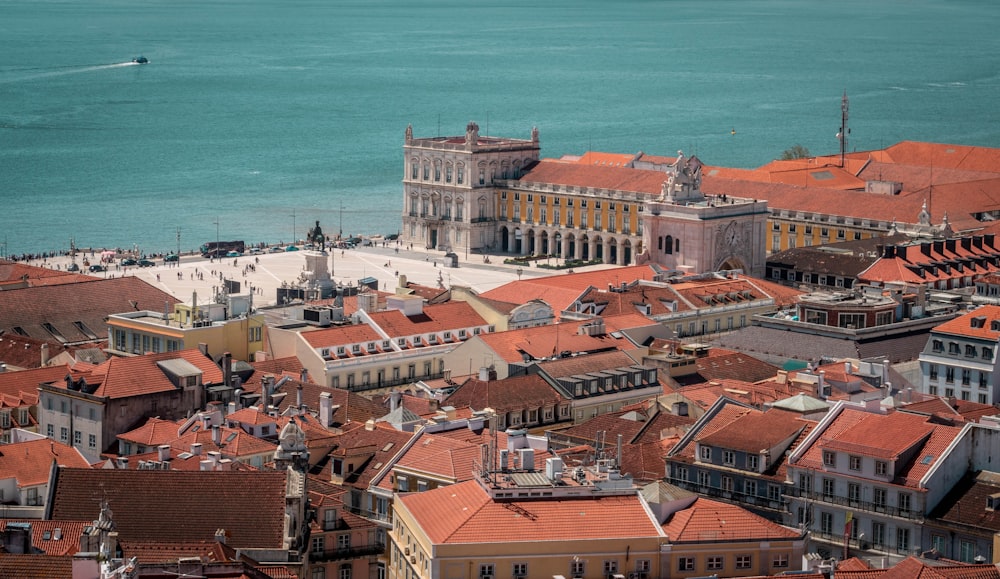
762,558
544,558
492,317
472,355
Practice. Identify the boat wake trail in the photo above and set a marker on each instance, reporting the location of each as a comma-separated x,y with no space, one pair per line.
63,71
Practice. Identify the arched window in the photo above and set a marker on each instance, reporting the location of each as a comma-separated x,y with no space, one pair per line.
659,243
669,244
677,245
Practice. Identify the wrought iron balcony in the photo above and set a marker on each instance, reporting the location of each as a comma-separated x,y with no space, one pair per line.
856,504
347,553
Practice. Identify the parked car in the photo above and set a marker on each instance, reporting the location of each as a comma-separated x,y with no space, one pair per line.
72,267
97,267
255,251
146,263
291,248
234,254
129,261
172,257
277,249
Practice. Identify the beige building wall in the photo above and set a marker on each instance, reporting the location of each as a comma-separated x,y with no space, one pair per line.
413,555
738,559
150,332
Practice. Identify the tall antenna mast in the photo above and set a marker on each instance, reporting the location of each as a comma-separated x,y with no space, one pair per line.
844,129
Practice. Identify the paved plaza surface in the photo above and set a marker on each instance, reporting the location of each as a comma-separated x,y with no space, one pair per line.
270,270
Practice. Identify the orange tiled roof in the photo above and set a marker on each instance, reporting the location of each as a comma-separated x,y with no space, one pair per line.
366,449
441,456
464,513
165,552
162,505
36,566
25,382
29,462
154,432
546,341
963,325
913,568
138,375
559,291
435,318
515,393
87,302
63,536
15,272
708,520
884,437
341,335
768,428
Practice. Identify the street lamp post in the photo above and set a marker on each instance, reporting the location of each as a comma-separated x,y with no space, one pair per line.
216,252
519,272
293,226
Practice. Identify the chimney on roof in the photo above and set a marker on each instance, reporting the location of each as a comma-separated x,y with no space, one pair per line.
220,536
370,425
325,409
304,375
266,389
821,385
196,446
484,374
45,354
847,368
227,368
395,398
216,436
298,395
203,348
163,452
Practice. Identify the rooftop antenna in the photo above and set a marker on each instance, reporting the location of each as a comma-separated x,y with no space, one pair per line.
844,129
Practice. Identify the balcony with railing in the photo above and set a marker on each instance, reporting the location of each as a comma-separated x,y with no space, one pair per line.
856,504
340,554
370,515
779,504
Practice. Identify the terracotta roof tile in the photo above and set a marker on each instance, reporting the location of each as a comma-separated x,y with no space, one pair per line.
151,552
435,318
963,325
29,462
520,392
36,566
89,303
768,428
53,537
464,513
708,520
154,432
138,375
159,505
559,291
551,340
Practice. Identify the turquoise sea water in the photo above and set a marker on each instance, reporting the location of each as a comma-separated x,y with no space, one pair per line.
264,116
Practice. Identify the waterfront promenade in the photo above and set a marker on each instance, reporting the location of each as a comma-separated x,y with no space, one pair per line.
270,270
